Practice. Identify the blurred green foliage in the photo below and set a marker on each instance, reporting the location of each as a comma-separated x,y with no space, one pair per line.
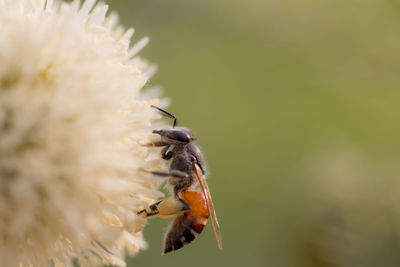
296,106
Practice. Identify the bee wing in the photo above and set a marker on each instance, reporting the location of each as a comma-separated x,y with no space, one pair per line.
210,205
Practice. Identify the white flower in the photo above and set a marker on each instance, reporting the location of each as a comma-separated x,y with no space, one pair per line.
72,118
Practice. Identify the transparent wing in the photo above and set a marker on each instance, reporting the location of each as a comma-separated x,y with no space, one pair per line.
210,205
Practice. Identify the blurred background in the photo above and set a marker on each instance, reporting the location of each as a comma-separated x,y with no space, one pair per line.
296,105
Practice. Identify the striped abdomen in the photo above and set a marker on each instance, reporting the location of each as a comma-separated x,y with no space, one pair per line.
187,224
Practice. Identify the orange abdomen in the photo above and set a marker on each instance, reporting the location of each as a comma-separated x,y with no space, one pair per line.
197,202
187,224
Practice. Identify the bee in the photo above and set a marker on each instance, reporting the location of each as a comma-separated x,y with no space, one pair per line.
187,170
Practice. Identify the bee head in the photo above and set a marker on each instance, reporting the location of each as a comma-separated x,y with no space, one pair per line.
176,136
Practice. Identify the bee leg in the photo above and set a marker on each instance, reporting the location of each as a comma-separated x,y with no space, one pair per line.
166,153
153,210
173,173
166,207
156,144
185,205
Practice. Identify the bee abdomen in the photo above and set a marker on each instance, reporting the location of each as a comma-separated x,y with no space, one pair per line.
188,224
183,230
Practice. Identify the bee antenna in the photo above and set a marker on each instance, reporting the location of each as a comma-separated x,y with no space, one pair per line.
167,114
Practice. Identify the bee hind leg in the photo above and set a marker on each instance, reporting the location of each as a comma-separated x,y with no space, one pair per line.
166,207
153,210
185,205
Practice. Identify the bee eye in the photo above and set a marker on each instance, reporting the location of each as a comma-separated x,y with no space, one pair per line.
177,136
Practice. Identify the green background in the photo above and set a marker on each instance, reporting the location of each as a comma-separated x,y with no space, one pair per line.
296,106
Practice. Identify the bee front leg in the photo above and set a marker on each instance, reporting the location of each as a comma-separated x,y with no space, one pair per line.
173,173
167,153
156,144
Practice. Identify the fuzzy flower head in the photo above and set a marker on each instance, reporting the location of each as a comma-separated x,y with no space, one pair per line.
72,117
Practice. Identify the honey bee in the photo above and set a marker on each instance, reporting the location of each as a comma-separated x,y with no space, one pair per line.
187,170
